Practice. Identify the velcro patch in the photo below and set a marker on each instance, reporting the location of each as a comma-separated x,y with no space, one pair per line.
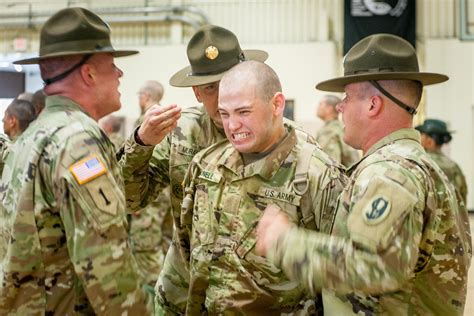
377,211
87,169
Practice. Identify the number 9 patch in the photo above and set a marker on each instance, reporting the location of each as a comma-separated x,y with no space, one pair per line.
377,211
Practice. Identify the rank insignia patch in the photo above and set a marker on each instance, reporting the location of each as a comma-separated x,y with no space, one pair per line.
87,169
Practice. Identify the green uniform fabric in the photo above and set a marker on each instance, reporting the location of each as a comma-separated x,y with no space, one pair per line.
151,231
4,144
330,138
401,243
117,140
452,171
64,246
147,170
219,231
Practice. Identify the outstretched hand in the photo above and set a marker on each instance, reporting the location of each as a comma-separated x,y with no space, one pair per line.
158,122
272,224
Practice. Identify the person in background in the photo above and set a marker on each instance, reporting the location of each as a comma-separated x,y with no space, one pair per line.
112,126
434,134
330,136
149,94
18,116
151,227
401,241
38,100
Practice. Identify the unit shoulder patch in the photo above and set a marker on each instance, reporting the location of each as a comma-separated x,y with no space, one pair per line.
87,169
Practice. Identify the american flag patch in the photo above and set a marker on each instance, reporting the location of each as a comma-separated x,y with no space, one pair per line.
87,169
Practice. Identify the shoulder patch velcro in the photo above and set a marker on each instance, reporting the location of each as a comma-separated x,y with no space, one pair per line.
87,169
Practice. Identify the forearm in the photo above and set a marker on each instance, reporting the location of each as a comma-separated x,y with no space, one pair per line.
322,261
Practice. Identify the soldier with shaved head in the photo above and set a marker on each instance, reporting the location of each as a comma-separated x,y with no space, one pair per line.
265,161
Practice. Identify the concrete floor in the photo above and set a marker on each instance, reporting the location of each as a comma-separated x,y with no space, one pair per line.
469,309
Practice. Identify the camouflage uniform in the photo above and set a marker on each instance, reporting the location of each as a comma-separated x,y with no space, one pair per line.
219,232
151,230
117,140
330,138
145,178
452,170
4,143
401,241
64,243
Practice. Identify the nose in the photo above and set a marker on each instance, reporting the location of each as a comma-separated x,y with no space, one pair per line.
120,72
233,123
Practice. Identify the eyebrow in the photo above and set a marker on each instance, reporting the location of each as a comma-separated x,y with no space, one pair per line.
245,107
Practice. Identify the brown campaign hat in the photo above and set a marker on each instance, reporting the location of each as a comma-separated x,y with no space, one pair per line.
74,31
211,52
380,57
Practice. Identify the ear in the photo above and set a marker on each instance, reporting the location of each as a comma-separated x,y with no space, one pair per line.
197,94
375,106
88,74
278,103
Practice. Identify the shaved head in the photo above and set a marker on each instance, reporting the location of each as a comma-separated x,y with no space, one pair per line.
253,73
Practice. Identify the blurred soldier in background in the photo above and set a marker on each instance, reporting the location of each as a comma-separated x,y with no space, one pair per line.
18,116
151,228
434,134
38,100
330,136
112,126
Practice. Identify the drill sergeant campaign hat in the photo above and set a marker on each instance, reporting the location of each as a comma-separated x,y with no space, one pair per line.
74,31
211,52
381,57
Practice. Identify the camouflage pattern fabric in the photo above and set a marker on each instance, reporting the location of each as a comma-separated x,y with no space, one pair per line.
218,234
401,241
330,138
63,245
452,171
151,230
147,170
117,140
4,144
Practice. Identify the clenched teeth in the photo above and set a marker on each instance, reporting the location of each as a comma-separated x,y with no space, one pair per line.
240,136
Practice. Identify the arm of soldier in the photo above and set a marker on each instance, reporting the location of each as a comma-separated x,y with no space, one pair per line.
92,208
173,283
378,255
140,175
326,184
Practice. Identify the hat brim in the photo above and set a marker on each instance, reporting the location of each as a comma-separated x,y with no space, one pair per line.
36,60
185,78
422,129
338,84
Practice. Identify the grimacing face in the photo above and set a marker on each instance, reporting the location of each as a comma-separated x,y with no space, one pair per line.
249,123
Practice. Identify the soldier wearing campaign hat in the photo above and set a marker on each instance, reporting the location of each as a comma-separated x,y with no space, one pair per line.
211,52
434,134
64,246
401,242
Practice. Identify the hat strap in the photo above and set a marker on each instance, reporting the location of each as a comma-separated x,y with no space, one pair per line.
407,108
67,72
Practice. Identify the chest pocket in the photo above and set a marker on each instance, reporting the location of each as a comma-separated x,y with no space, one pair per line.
288,202
180,157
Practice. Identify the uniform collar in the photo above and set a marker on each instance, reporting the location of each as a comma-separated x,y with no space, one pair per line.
62,103
404,133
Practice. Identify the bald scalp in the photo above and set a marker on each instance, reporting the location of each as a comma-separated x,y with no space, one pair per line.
257,74
154,89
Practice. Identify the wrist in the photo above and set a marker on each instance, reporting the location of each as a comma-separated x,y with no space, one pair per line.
138,140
